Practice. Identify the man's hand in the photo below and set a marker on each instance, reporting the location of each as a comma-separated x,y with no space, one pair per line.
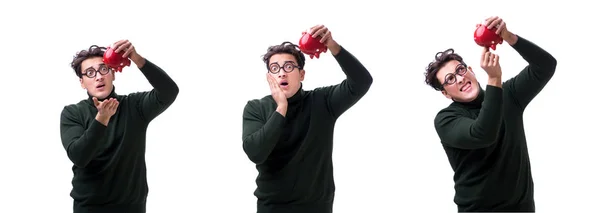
278,95
500,26
106,109
490,62
129,52
326,38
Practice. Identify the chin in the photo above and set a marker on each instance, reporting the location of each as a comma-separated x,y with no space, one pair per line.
101,95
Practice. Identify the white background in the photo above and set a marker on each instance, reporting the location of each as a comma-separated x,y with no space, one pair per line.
387,156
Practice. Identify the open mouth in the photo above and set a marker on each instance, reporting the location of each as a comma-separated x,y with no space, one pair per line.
283,83
100,86
466,87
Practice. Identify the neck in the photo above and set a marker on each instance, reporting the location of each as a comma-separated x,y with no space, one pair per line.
475,103
297,96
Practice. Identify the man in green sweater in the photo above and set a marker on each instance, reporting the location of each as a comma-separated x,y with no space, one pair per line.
289,134
105,135
482,131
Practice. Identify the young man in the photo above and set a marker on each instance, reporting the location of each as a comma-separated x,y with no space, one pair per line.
482,131
289,134
105,135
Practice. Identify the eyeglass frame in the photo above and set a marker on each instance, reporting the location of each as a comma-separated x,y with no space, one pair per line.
294,66
456,72
96,71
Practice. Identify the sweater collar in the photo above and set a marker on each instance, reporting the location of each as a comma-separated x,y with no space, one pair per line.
476,103
112,94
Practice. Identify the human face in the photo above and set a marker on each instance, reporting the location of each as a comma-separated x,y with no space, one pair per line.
101,85
458,81
284,68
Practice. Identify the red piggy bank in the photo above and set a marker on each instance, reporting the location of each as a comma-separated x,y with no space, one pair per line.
311,46
115,60
486,37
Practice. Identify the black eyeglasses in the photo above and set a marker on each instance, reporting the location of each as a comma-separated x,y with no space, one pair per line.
91,72
461,69
287,67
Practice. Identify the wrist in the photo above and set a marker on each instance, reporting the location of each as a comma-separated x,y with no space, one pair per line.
510,38
282,109
334,48
138,60
103,120
495,81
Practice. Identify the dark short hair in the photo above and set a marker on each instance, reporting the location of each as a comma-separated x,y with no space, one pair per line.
285,47
441,58
93,51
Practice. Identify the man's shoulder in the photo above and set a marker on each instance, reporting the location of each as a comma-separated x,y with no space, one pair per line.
267,99
450,110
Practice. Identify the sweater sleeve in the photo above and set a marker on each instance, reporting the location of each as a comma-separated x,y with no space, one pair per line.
358,81
534,77
164,92
461,132
82,145
259,136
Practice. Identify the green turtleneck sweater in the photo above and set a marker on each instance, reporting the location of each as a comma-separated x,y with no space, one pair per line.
485,139
109,161
293,153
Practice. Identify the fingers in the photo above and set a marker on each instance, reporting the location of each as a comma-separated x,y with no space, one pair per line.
494,22
318,30
488,21
96,103
486,59
483,55
495,60
122,45
315,28
128,51
113,105
325,37
500,27
272,82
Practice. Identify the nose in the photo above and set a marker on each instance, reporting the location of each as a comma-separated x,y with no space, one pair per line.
99,77
460,79
282,74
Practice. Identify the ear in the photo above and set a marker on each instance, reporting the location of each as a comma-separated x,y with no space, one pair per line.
302,75
446,94
113,75
81,82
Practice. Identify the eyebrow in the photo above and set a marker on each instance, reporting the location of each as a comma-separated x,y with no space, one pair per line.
100,64
284,62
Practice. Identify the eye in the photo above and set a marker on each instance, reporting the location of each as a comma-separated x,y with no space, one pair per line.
274,67
450,78
90,72
288,66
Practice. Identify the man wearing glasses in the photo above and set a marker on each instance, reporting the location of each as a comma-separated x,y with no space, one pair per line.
289,134
105,135
482,131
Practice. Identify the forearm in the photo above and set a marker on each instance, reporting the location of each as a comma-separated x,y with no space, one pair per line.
358,77
458,130
165,88
487,125
538,58
259,144
82,148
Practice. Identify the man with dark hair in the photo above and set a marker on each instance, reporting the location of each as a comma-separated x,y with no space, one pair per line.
289,134
105,135
482,131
